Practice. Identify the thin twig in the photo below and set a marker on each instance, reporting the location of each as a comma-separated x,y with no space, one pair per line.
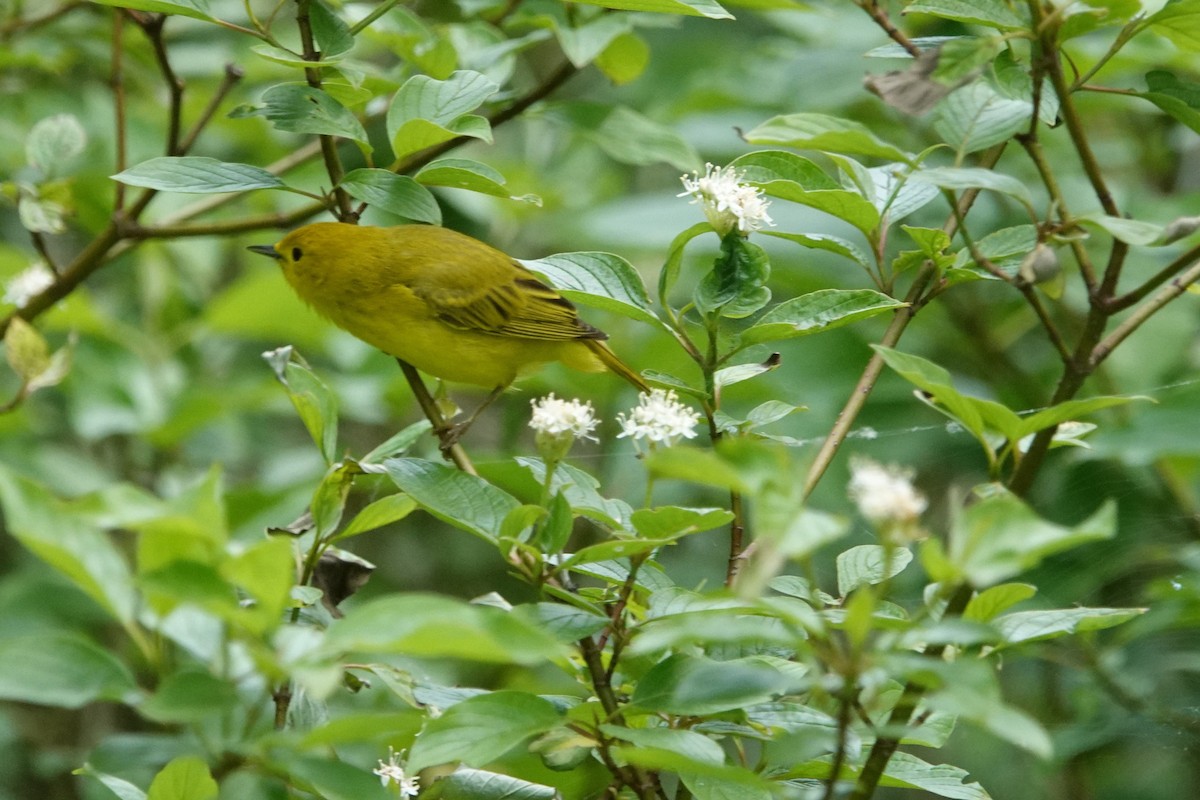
233,74
441,428
333,162
1162,276
118,89
885,746
881,19
1166,294
152,25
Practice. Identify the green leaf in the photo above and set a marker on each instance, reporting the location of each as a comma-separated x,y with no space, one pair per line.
625,58
943,780
598,280
313,400
189,696
822,310
63,670
1130,231
1005,248
974,414
1179,22
992,13
736,286
1071,410
196,9
123,789
869,564
810,131
68,542
54,142
695,685
821,241
383,511
299,108
669,273
477,784
197,175
689,744
695,8
327,778
464,501
332,34
700,466
1034,626
728,376
990,602
1179,98
26,350
633,138
976,117
780,171
481,729
987,710
581,491
566,624
434,626
395,194
287,58
673,521
464,173
999,536
426,111
582,44
976,178
183,778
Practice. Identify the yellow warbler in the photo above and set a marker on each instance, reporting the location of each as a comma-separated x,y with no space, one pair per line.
446,303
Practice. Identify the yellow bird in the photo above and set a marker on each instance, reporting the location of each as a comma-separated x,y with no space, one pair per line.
447,303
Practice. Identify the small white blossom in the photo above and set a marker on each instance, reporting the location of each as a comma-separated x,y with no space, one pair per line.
727,202
887,498
26,285
659,417
555,416
392,771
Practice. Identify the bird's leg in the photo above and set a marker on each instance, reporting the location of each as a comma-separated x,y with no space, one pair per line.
450,435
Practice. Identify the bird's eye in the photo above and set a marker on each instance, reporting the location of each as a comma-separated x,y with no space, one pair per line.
297,254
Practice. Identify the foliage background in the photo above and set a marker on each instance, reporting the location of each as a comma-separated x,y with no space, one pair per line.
167,378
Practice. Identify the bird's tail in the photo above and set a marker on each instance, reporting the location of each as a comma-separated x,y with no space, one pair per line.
610,360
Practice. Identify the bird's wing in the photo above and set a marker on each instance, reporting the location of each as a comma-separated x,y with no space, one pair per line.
509,302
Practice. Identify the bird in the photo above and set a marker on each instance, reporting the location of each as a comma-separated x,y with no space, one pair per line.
447,303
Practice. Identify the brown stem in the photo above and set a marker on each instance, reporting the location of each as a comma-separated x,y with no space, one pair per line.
881,19
866,382
333,162
118,88
1034,149
152,26
885,746
233,74
1160,277
916,297
1166,294
441,427
29,23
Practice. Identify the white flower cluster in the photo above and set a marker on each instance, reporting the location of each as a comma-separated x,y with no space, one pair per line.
727,202
555,417
886,497
392,771
660,418
26,285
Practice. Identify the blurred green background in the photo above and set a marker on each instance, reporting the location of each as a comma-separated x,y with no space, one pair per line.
168,378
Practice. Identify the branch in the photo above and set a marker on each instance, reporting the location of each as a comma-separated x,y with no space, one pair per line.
441,427
885,746
333,162
152,26
1176,287
1126,300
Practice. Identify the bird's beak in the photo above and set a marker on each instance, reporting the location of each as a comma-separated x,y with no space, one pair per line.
264,250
